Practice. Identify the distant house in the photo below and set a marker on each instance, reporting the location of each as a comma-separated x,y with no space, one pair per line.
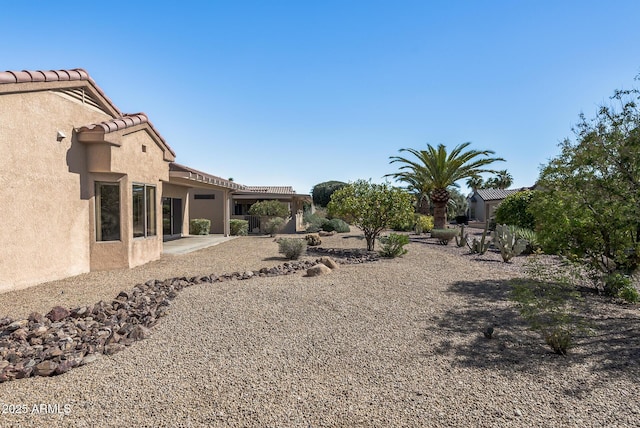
87,187
249,195
483,202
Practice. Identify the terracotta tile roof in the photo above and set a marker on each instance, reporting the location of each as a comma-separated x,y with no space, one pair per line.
25,76
118,124
123,120
53,76
182,171
282,190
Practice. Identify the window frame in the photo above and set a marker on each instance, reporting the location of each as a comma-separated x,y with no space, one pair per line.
99,230
148,215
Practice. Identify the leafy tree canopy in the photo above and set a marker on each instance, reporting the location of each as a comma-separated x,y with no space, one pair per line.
321,192
372,207
269,208
596,182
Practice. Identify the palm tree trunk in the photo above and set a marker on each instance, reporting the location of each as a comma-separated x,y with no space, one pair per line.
439,215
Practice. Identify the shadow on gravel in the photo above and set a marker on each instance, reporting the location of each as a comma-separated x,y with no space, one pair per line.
612,349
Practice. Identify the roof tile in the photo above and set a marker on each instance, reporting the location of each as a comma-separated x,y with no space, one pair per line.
25,76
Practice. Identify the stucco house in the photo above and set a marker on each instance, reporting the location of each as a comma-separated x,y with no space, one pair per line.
87,187
483,202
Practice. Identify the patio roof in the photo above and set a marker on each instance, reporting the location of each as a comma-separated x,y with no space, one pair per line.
182,172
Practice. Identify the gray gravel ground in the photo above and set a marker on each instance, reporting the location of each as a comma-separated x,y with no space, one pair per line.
390,343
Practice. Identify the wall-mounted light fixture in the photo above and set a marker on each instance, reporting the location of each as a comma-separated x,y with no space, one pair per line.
61,136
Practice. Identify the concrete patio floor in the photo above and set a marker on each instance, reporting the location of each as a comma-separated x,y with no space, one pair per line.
191,243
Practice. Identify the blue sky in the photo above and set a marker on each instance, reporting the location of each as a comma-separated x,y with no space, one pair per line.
301,92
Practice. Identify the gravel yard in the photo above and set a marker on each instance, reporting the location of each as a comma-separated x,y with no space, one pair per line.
390,343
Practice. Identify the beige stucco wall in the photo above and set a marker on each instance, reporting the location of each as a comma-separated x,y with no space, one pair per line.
211,209
136,157
44,189
47,189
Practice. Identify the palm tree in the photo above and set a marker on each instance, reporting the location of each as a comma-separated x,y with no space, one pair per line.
503,180
474,183
419,188
436,169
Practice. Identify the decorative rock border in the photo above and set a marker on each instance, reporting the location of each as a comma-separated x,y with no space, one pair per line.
346,256
63,339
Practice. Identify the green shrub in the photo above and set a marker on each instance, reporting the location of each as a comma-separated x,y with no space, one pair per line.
549,302
404,226
393,245
269,209
336,224
559,339
424,223
292,248
315,222
444,235
199,226
514,210
618,285
274,225
239,227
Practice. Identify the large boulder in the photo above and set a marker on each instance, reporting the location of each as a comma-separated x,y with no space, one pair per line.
329,262
317,270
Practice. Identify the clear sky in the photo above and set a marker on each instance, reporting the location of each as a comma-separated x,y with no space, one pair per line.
301,92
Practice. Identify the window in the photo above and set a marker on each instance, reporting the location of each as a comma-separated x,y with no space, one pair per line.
144,210
205,196
107,211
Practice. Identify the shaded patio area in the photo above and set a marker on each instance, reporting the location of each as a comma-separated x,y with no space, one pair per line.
191,243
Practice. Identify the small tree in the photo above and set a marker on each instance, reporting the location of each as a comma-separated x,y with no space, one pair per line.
371,207
514,210
269,209
321,192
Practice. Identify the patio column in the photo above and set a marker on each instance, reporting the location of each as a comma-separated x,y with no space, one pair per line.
226,213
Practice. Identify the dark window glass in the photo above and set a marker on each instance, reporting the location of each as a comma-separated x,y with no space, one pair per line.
138,210
107,212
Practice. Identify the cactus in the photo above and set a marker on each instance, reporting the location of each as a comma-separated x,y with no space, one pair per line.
481,246
507,242
462,238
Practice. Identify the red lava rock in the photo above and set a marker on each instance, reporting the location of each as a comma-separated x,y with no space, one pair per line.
45,368
58,313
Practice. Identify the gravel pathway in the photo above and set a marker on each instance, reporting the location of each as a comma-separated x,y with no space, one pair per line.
390,343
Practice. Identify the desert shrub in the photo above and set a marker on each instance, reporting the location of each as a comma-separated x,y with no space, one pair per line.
618,285
336,224
444,235
239,227
292,248
274,225
269,209
404,226
514,210
424,223
393,245
315,222
199,226
313,240
549,302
